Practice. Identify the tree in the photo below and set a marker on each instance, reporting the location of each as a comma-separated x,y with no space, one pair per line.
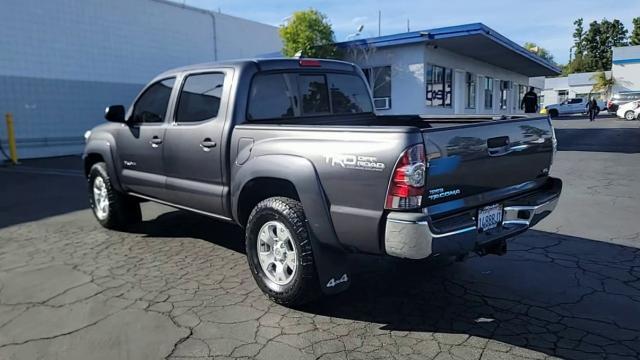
598,43
593,47
603,84
309,33
577,65
578,37
540,51
635,34
578,62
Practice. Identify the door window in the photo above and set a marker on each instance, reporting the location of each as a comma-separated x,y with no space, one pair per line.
200,98
151,106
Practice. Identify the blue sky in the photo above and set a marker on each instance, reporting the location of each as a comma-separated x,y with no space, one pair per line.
546,22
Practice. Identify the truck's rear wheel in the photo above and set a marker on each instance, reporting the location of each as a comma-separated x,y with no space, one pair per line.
112,209
279,251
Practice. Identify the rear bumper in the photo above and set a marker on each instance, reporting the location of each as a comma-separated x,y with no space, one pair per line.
417,236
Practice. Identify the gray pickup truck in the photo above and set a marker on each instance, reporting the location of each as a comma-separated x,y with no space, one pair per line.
292,151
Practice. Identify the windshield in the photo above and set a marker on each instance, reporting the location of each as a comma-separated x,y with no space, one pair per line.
288,95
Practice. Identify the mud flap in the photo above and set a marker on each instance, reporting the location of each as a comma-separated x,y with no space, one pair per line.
332,265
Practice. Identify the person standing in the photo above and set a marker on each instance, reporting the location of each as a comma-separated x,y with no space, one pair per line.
592,109
530,102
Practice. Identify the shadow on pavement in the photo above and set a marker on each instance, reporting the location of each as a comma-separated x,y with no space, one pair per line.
560,295
41,188
599,140
183,224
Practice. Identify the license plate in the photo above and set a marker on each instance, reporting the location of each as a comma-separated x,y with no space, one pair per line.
489,217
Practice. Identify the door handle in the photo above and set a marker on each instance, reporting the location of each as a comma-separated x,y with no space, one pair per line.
498,146
155,142
207,144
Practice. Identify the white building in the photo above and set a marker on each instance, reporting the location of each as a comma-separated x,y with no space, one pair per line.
558,89
625,70
466,69
63,61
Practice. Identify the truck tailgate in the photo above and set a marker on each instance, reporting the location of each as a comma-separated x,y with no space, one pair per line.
471,160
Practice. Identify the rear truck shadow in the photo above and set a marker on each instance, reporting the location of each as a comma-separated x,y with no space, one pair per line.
561,295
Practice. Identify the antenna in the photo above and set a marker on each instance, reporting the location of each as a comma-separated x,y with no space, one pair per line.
379,19
408,27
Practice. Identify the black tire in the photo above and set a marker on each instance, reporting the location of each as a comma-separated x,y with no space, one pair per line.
123,210
629,115
304,285
553,113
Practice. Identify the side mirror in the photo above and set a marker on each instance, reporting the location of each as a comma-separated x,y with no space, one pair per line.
114,113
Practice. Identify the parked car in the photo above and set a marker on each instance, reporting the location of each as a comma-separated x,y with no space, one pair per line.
572,106
629,111
292,151
620,99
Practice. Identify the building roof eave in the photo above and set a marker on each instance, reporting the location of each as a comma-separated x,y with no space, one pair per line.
487,45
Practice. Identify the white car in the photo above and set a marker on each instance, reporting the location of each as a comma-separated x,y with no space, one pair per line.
629,111
572,106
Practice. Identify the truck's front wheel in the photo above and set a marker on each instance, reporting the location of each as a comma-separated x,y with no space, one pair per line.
279,251
111,208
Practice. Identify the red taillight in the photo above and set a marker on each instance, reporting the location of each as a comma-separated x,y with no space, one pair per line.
309,63
408,179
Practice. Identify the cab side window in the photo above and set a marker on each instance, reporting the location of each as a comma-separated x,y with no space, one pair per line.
200,98
151,106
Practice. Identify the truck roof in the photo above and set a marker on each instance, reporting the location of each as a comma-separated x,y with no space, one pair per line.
267,64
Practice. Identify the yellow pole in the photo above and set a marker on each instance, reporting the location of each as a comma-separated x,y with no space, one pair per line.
13,153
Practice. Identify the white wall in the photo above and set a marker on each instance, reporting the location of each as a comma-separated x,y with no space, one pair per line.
127,41
63,61
627,74
462,64
407,74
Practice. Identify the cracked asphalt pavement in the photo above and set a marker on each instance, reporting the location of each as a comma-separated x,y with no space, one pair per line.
178,287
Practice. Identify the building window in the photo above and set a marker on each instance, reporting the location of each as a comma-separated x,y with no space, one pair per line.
439,86
379,79
563,95
488,93
471,91
505,86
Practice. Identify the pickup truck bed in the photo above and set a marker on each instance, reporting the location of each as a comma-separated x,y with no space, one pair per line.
295,154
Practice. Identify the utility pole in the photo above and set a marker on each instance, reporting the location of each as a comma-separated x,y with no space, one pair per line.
408,27
379,19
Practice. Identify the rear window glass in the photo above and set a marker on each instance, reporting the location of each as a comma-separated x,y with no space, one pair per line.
285,95
315,96
272,96
348,95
